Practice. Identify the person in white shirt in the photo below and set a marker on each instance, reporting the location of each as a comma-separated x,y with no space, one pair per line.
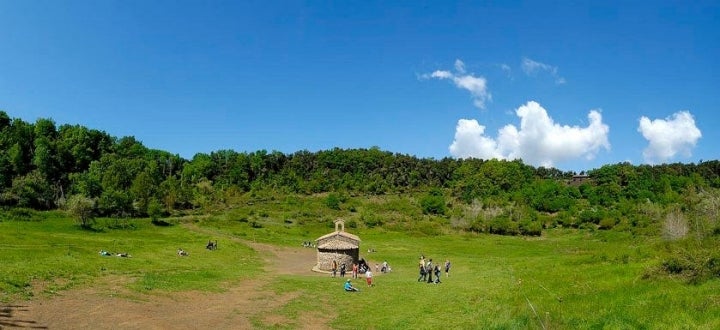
368,277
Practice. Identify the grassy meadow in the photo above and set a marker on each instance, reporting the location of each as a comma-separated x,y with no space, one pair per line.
565,279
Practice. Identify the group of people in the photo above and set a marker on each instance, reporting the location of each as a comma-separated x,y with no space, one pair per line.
357,267
360,267
368,280
428,269
308,244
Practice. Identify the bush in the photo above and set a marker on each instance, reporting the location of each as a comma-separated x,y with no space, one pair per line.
433,203
24,214
590,216
566,220
696,264
477,225
607,223
333,201
503,226
371,220
530,228
674,265
83,209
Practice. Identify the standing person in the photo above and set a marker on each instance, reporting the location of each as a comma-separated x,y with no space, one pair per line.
342,270
447,268
334,268
354,270
437,274
429,270
422,269
368,277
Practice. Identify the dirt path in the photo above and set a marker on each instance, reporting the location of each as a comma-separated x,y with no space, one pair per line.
109,305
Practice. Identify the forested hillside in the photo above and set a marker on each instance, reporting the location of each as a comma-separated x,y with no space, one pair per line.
44,167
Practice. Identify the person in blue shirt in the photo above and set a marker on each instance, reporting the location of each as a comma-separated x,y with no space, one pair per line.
349,287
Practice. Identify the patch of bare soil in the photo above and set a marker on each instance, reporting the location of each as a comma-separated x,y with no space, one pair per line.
109,305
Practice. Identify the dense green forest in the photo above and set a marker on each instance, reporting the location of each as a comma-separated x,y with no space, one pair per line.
45,167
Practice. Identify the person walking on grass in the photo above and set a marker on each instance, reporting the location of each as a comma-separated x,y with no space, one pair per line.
429,270
354,270
342,270
334,268
437,274
368,277
421,265
447,268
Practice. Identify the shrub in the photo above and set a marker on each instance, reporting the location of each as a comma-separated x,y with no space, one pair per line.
433,203
83,209
477,225
503,226
24,214
566,220
607,223
333,201
371,220
694,263
530,228
590,216
675,226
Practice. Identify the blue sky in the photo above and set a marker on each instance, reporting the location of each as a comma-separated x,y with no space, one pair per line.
570,85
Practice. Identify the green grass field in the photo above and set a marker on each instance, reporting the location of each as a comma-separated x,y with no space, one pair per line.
567,279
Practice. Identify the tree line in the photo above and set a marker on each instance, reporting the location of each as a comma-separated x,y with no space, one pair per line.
43,167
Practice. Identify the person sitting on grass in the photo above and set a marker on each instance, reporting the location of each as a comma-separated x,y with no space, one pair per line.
182,253
349,287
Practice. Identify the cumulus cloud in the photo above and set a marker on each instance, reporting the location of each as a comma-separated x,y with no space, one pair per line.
532,68
669,137
477,86
539,141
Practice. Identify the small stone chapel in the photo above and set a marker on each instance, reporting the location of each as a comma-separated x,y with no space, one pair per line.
338,245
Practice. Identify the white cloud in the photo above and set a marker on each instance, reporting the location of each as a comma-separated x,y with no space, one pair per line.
506,68
459,66
669,137
531,68
469,141
477,86
539,141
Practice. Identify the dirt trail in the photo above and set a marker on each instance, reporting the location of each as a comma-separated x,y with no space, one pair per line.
109,305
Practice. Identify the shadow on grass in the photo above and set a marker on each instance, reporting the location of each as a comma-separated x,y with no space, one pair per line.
91,228
161,223
8,318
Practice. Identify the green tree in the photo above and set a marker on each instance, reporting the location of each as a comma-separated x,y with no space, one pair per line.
433,202
31,190
83,209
